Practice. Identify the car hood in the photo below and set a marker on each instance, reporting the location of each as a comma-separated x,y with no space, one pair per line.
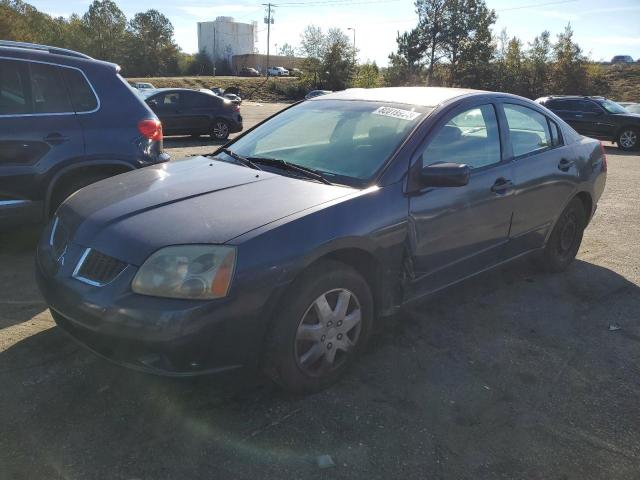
199,200
629,116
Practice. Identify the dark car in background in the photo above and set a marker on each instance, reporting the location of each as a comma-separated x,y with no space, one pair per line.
189,112
282,249
66,120
248,72
597,117
622,59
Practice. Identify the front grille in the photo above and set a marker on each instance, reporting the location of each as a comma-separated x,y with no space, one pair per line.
59,238
98,269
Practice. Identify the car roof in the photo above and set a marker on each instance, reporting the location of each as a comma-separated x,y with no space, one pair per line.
423,96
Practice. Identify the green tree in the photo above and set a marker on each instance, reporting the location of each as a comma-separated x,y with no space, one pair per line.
569,74
201,65
337,62
151,49
367,76
432,30
287,50
469,43
106,26
312,42
538,59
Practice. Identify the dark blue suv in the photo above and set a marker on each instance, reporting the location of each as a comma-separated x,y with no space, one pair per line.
66,121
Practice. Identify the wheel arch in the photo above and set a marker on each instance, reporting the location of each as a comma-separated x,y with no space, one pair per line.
71,172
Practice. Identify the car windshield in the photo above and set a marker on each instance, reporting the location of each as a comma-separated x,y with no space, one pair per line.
347,141
613,107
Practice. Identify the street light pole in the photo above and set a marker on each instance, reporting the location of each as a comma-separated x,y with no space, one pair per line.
354,44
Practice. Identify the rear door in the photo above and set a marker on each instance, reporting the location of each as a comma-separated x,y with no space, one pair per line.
39,132
166,106
459,231
545,174
197,111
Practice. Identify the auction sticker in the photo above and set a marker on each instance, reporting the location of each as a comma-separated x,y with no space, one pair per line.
396,113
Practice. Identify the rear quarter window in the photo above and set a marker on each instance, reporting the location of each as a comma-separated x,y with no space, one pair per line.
80,92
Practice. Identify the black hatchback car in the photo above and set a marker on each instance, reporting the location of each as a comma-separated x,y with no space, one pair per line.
284,248
66,120
189,112
597,117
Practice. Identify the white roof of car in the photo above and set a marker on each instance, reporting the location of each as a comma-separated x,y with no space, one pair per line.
424,96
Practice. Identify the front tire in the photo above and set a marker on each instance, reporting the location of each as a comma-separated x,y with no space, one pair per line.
320,329
565,239
628,139
220,130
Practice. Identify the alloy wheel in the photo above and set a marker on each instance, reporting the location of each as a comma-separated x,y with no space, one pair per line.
628,139
220,129
328,332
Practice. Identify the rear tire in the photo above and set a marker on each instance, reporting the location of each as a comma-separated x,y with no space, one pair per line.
565,239
220,129
321,327
628,139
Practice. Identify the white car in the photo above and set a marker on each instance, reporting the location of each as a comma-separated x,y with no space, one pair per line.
277,72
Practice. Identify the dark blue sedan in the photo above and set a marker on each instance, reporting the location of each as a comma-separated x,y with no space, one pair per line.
282,249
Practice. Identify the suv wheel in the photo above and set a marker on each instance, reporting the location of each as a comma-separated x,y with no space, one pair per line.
322,326
628,139
220,129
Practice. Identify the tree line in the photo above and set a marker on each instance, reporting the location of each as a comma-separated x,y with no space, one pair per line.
453,45
142,45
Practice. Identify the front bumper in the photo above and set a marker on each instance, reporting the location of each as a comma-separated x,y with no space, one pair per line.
157,335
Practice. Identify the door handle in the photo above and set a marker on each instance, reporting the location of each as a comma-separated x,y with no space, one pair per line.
579,115
565,164
55,138
501,185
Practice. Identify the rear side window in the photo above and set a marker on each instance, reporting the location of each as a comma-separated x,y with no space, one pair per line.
471,138
48,90
80,92
194,99
528,129
14,88
556,138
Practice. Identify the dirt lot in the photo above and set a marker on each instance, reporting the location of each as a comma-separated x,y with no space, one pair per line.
512,375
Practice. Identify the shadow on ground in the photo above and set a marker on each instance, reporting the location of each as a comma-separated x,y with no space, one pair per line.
514,374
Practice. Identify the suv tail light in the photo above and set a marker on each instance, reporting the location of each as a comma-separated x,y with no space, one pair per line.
604,157
150,128
236,107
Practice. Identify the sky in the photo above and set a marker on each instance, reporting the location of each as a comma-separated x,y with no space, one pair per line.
603,29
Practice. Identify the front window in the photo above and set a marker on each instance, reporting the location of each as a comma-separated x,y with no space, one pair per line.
613,107
347,141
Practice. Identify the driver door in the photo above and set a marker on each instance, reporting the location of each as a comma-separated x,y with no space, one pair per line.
458,231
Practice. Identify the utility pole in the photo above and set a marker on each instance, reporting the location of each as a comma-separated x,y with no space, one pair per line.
268,20
354,45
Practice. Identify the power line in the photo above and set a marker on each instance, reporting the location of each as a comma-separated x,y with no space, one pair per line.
522,7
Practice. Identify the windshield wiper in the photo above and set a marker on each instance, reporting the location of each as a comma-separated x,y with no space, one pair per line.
292,167
240,159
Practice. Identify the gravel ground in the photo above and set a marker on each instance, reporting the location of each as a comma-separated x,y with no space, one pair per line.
513,375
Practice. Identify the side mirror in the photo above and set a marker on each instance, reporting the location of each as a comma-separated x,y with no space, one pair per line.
445,175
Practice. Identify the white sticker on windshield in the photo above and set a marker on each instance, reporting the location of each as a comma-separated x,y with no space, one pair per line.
396,113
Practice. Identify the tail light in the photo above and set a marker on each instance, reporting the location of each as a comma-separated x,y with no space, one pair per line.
236,107
150,128
604,157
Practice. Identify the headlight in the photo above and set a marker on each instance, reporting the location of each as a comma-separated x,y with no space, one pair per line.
187,271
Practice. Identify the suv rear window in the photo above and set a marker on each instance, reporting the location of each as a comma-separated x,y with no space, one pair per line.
14,90
82,96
